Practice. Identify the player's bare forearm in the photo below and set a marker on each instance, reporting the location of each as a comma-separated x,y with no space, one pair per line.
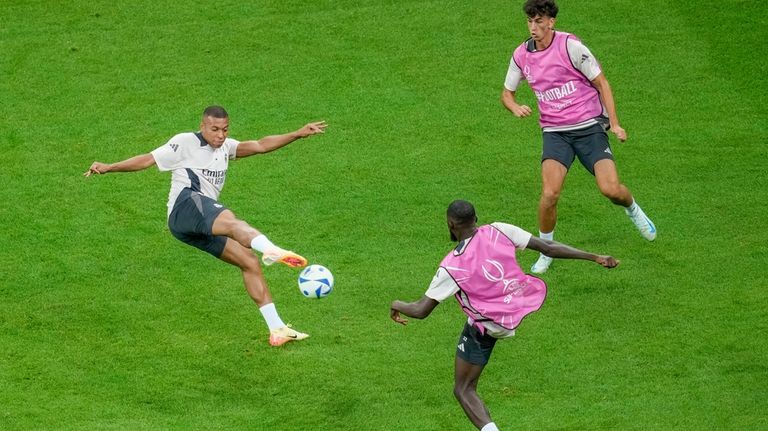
406,308
133,164
509,102
274,142
559,250
418,310
606,98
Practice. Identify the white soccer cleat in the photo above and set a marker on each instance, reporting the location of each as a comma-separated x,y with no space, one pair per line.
285,257
642,222
542,265
283,335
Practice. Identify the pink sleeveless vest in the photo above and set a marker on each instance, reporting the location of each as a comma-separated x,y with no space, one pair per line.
565,96
492,287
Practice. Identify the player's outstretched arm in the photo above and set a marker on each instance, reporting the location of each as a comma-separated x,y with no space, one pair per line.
562,251
136,163
418,310
273,142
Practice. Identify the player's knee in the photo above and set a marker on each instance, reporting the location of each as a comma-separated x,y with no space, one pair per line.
251,264
611,191
550,197
460,391
225,225
239,230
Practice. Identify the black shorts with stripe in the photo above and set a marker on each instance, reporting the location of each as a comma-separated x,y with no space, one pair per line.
474,347
191,221
590,145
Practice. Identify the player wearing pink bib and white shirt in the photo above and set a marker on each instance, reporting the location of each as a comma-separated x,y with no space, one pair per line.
483,275
199,163
576,106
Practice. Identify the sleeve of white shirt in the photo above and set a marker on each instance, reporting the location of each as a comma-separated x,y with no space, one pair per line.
519,237
169,155
442,286
514,76
582,58
232,148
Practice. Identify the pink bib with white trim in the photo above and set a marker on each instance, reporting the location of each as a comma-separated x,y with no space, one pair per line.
565,96
492,287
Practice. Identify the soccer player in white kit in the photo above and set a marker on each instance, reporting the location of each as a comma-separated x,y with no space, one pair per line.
199,163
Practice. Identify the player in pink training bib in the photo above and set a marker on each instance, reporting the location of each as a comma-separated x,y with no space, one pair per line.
483,275
576,106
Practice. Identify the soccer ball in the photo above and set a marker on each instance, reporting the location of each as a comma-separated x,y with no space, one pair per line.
315,281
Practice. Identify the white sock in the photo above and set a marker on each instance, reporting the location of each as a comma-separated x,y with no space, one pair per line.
490,426
261,243
550,236
270,316
632,208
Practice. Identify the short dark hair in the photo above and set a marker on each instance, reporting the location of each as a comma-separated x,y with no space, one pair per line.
540,8
462,212
215,111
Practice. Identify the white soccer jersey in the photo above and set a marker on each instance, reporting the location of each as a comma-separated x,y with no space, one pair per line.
195,164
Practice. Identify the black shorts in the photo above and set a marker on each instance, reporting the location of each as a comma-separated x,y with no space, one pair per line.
589,144
473,346
191,221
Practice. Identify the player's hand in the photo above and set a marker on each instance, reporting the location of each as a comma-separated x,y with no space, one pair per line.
97,168
607,261
619,132
521,111
313,129
395,315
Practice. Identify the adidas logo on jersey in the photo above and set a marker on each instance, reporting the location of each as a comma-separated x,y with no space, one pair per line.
174,147
460,347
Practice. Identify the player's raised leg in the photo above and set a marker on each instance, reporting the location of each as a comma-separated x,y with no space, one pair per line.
226,224
242,257
552,178
271,253
607,179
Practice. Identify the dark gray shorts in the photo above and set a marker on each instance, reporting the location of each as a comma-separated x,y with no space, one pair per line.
589,144
191,222
473,346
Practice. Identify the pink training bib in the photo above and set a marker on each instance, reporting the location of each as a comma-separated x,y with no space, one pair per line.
492,287
564,95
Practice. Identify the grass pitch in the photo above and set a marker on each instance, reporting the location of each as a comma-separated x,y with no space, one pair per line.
107,322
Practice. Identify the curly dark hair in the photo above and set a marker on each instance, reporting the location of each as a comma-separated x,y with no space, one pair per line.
540,8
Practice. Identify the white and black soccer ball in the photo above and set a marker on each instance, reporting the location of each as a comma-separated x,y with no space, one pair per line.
315,281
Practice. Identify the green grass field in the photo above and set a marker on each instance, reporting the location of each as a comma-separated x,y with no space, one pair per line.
108,323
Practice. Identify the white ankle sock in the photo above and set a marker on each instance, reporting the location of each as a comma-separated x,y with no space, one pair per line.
261,243
632,208
271,317
550,236
490,426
